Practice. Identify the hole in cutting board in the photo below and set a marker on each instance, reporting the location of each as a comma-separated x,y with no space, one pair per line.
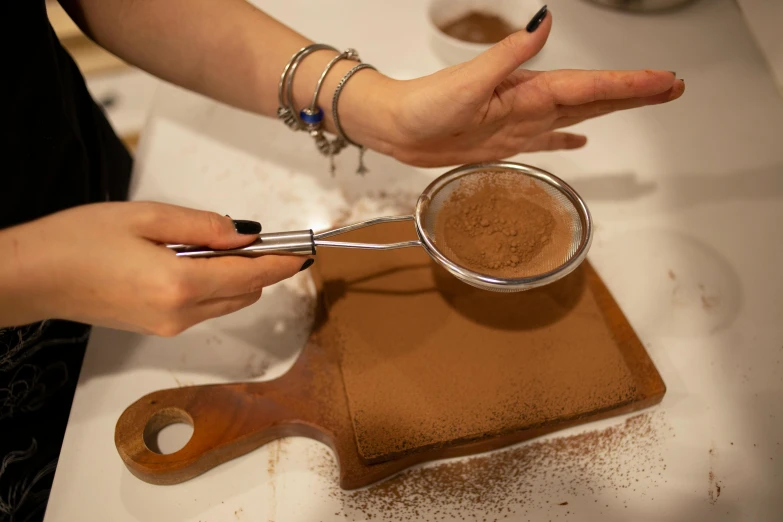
168,431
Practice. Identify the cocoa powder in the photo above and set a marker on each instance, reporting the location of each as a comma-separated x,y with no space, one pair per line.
427,360
477,27
504,226
530,481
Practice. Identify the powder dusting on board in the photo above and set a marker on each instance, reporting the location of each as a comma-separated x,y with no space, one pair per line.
428,361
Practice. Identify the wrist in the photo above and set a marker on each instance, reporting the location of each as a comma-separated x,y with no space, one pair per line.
367,106
367,110
22,292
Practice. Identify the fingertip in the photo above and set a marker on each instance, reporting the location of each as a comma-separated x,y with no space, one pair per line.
246,226
233,233
680,88
254,297
307,264
670,78
278,268
675,92
503,58
576,141
655,82
541,17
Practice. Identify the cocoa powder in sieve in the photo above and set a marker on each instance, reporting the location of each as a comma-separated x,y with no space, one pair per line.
503,226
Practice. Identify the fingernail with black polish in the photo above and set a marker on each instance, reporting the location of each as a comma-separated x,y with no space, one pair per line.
534,22
307,264
244,226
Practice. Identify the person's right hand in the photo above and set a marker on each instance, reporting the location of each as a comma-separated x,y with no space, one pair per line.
104,264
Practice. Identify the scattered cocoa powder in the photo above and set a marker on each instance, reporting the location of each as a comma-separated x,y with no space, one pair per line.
427,360
713,490
503,226
477,27
528,480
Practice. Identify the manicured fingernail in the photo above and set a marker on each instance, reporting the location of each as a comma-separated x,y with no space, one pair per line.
307,264
534,22
244,226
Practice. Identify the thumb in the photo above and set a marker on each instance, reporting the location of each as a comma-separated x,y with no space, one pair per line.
495,64
234,276
165,223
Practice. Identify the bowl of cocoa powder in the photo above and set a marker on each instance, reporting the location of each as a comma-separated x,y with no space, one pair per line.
460,30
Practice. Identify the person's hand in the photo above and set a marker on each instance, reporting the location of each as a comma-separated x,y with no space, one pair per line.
104,264
488,109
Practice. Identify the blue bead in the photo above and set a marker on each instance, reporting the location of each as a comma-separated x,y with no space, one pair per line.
312,117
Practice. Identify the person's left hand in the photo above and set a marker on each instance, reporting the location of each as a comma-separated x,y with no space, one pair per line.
489,109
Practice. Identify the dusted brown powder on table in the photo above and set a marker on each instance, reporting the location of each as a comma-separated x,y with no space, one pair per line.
531,480
476,27
503,225
427,360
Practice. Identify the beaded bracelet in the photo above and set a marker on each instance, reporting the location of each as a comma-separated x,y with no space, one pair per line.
285,110
313,115
335,99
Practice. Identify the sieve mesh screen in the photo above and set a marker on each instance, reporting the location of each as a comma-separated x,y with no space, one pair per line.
503,224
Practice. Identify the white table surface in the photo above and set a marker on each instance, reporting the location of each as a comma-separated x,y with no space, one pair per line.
694,188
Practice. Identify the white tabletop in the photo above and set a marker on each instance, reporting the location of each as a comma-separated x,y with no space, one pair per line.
688,201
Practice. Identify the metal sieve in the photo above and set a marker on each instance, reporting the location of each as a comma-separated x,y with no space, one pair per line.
552,264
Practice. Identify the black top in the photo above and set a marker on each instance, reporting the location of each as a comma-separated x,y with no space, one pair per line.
57,150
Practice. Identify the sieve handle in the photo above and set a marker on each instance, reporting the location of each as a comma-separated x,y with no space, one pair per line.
361,224
368,246
320,238
297,243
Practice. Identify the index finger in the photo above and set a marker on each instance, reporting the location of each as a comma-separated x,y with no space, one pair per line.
573,87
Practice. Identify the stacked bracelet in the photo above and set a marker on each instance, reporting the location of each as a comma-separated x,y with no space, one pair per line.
311,117
336,117
285,110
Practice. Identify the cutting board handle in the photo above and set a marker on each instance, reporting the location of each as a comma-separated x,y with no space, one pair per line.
228,420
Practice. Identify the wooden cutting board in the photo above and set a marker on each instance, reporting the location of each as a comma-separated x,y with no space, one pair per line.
379,383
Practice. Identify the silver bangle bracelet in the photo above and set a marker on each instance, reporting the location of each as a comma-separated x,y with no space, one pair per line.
313,115
290,80
335,116
336,99
348,54
285,111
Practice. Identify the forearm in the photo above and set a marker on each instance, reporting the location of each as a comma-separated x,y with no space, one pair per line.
19,295
230,51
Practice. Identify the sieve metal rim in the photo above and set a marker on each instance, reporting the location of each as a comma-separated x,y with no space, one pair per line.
499,283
